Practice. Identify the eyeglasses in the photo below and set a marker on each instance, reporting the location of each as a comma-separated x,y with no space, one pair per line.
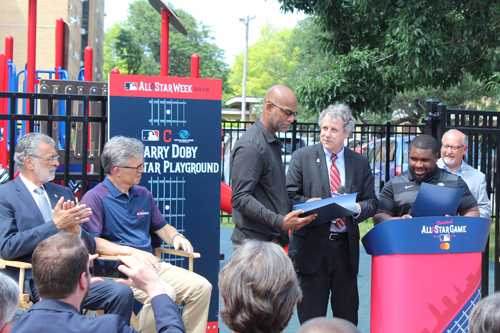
51,160
454,148
137,169
287,112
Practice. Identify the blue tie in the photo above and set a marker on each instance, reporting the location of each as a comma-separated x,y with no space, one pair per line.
43,204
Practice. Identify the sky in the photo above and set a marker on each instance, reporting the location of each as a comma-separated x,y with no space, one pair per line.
222,16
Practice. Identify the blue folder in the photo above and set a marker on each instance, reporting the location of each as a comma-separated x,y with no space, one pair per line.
434,200
328,209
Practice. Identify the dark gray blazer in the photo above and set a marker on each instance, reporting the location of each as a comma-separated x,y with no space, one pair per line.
55,316
308,178
22,226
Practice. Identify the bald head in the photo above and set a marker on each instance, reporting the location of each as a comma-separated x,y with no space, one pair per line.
280,103
327,325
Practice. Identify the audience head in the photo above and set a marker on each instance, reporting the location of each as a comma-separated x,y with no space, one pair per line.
336,123
9,295
423,157
36,156
60,264
485,315
118,151
259,288
328,325
279,110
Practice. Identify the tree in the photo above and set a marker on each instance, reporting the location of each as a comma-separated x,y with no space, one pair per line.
135,45
386,47
270,61
282,56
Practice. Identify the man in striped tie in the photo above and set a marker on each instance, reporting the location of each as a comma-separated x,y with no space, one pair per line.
326,256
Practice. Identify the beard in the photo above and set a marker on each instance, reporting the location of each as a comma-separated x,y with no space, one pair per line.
87,291
44,174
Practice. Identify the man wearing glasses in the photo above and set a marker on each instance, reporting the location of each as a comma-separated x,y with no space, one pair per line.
125,216
32,209
261,209
453,149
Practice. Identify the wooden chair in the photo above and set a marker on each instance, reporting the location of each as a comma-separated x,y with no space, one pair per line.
134,321
24,298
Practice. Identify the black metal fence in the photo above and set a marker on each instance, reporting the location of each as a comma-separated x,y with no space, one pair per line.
482,129
77,122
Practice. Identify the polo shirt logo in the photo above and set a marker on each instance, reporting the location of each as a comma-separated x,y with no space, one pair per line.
141,213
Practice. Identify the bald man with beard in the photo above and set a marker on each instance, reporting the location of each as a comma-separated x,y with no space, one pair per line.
261,209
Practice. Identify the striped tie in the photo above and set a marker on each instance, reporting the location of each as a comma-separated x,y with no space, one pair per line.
335,182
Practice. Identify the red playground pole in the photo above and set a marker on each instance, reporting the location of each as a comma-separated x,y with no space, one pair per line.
195,66
164,42
4,105
89,52
31,66
3,149
59,45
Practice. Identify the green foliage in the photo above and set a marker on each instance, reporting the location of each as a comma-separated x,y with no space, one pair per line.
269,62
406,44
493,85
134,46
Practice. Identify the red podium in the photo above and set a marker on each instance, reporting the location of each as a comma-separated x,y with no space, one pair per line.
426,273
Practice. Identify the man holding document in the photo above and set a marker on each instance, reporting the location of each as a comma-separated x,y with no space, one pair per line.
399,194
326,255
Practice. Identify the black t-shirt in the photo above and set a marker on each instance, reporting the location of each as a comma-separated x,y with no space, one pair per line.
400,193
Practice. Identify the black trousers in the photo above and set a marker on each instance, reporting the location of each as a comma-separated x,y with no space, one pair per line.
334,280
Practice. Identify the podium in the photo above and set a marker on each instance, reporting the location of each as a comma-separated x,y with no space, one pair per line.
426,273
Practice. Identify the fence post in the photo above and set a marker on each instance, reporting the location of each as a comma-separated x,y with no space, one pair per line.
432,120
388,152
294,134
441,127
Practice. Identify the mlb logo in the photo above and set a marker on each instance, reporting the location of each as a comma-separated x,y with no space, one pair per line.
444,238
150,135
131,85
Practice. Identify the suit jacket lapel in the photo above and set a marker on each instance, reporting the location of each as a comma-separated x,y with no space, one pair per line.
349,167
323,170
53,196
27,199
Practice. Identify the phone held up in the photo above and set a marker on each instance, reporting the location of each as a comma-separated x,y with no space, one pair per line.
107,268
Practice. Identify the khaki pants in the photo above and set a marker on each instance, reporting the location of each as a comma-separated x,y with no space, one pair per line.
182,286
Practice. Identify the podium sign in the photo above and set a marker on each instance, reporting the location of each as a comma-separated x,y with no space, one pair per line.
426,273
179,122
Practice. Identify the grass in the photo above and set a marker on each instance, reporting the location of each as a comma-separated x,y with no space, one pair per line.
366,226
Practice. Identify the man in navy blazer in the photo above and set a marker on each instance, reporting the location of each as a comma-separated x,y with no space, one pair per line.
61,272
326,256
26,219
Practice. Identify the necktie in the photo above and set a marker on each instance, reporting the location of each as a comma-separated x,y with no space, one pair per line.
335,182
43,204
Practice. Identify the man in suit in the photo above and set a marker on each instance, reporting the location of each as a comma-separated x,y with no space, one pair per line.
453,149
326,256
61,272
33,209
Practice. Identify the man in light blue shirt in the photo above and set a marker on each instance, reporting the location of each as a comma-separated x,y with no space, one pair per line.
453,149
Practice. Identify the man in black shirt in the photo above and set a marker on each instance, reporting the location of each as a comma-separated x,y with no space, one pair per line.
261,209
398,196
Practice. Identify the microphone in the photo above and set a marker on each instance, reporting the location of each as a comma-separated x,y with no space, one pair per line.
341,190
